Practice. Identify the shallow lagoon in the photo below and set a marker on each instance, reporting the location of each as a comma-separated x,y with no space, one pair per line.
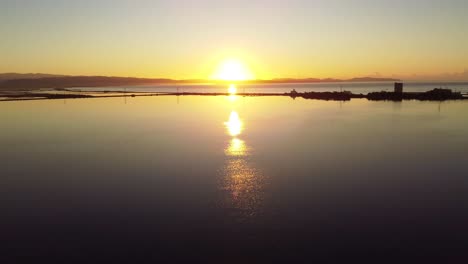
237,178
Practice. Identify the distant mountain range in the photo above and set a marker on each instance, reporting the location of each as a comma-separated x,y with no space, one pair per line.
317,80
14,76
31,81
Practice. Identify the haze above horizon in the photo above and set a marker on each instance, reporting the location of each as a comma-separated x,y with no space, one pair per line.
423,40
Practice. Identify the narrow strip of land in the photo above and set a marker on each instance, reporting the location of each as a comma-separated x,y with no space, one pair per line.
432,95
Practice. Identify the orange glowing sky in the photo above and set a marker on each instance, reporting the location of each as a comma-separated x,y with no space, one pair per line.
268,39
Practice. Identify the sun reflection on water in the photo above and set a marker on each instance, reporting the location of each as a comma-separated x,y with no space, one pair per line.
243,188
236,147
234,125
242,182
232,90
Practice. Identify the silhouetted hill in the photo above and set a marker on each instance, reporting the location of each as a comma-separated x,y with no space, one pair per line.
372,79
36,81
288,80
14,76
75,81
317,80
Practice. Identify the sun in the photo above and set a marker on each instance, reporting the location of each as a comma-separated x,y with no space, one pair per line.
232,70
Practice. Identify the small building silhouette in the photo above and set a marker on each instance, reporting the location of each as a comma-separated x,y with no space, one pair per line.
398,88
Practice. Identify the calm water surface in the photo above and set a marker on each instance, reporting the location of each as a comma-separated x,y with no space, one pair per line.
355,87
233,178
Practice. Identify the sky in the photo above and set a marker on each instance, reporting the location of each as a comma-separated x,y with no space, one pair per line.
412,39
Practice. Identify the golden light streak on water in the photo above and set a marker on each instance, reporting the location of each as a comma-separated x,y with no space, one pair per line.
234,125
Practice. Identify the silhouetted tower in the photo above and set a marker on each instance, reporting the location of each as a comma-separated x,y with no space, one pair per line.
398,88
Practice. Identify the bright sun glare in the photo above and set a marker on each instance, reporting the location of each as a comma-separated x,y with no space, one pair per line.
232,89
232,70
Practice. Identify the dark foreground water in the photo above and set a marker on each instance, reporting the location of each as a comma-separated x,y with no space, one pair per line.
233,180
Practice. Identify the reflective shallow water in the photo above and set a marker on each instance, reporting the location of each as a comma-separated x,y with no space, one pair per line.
233,178
355,87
